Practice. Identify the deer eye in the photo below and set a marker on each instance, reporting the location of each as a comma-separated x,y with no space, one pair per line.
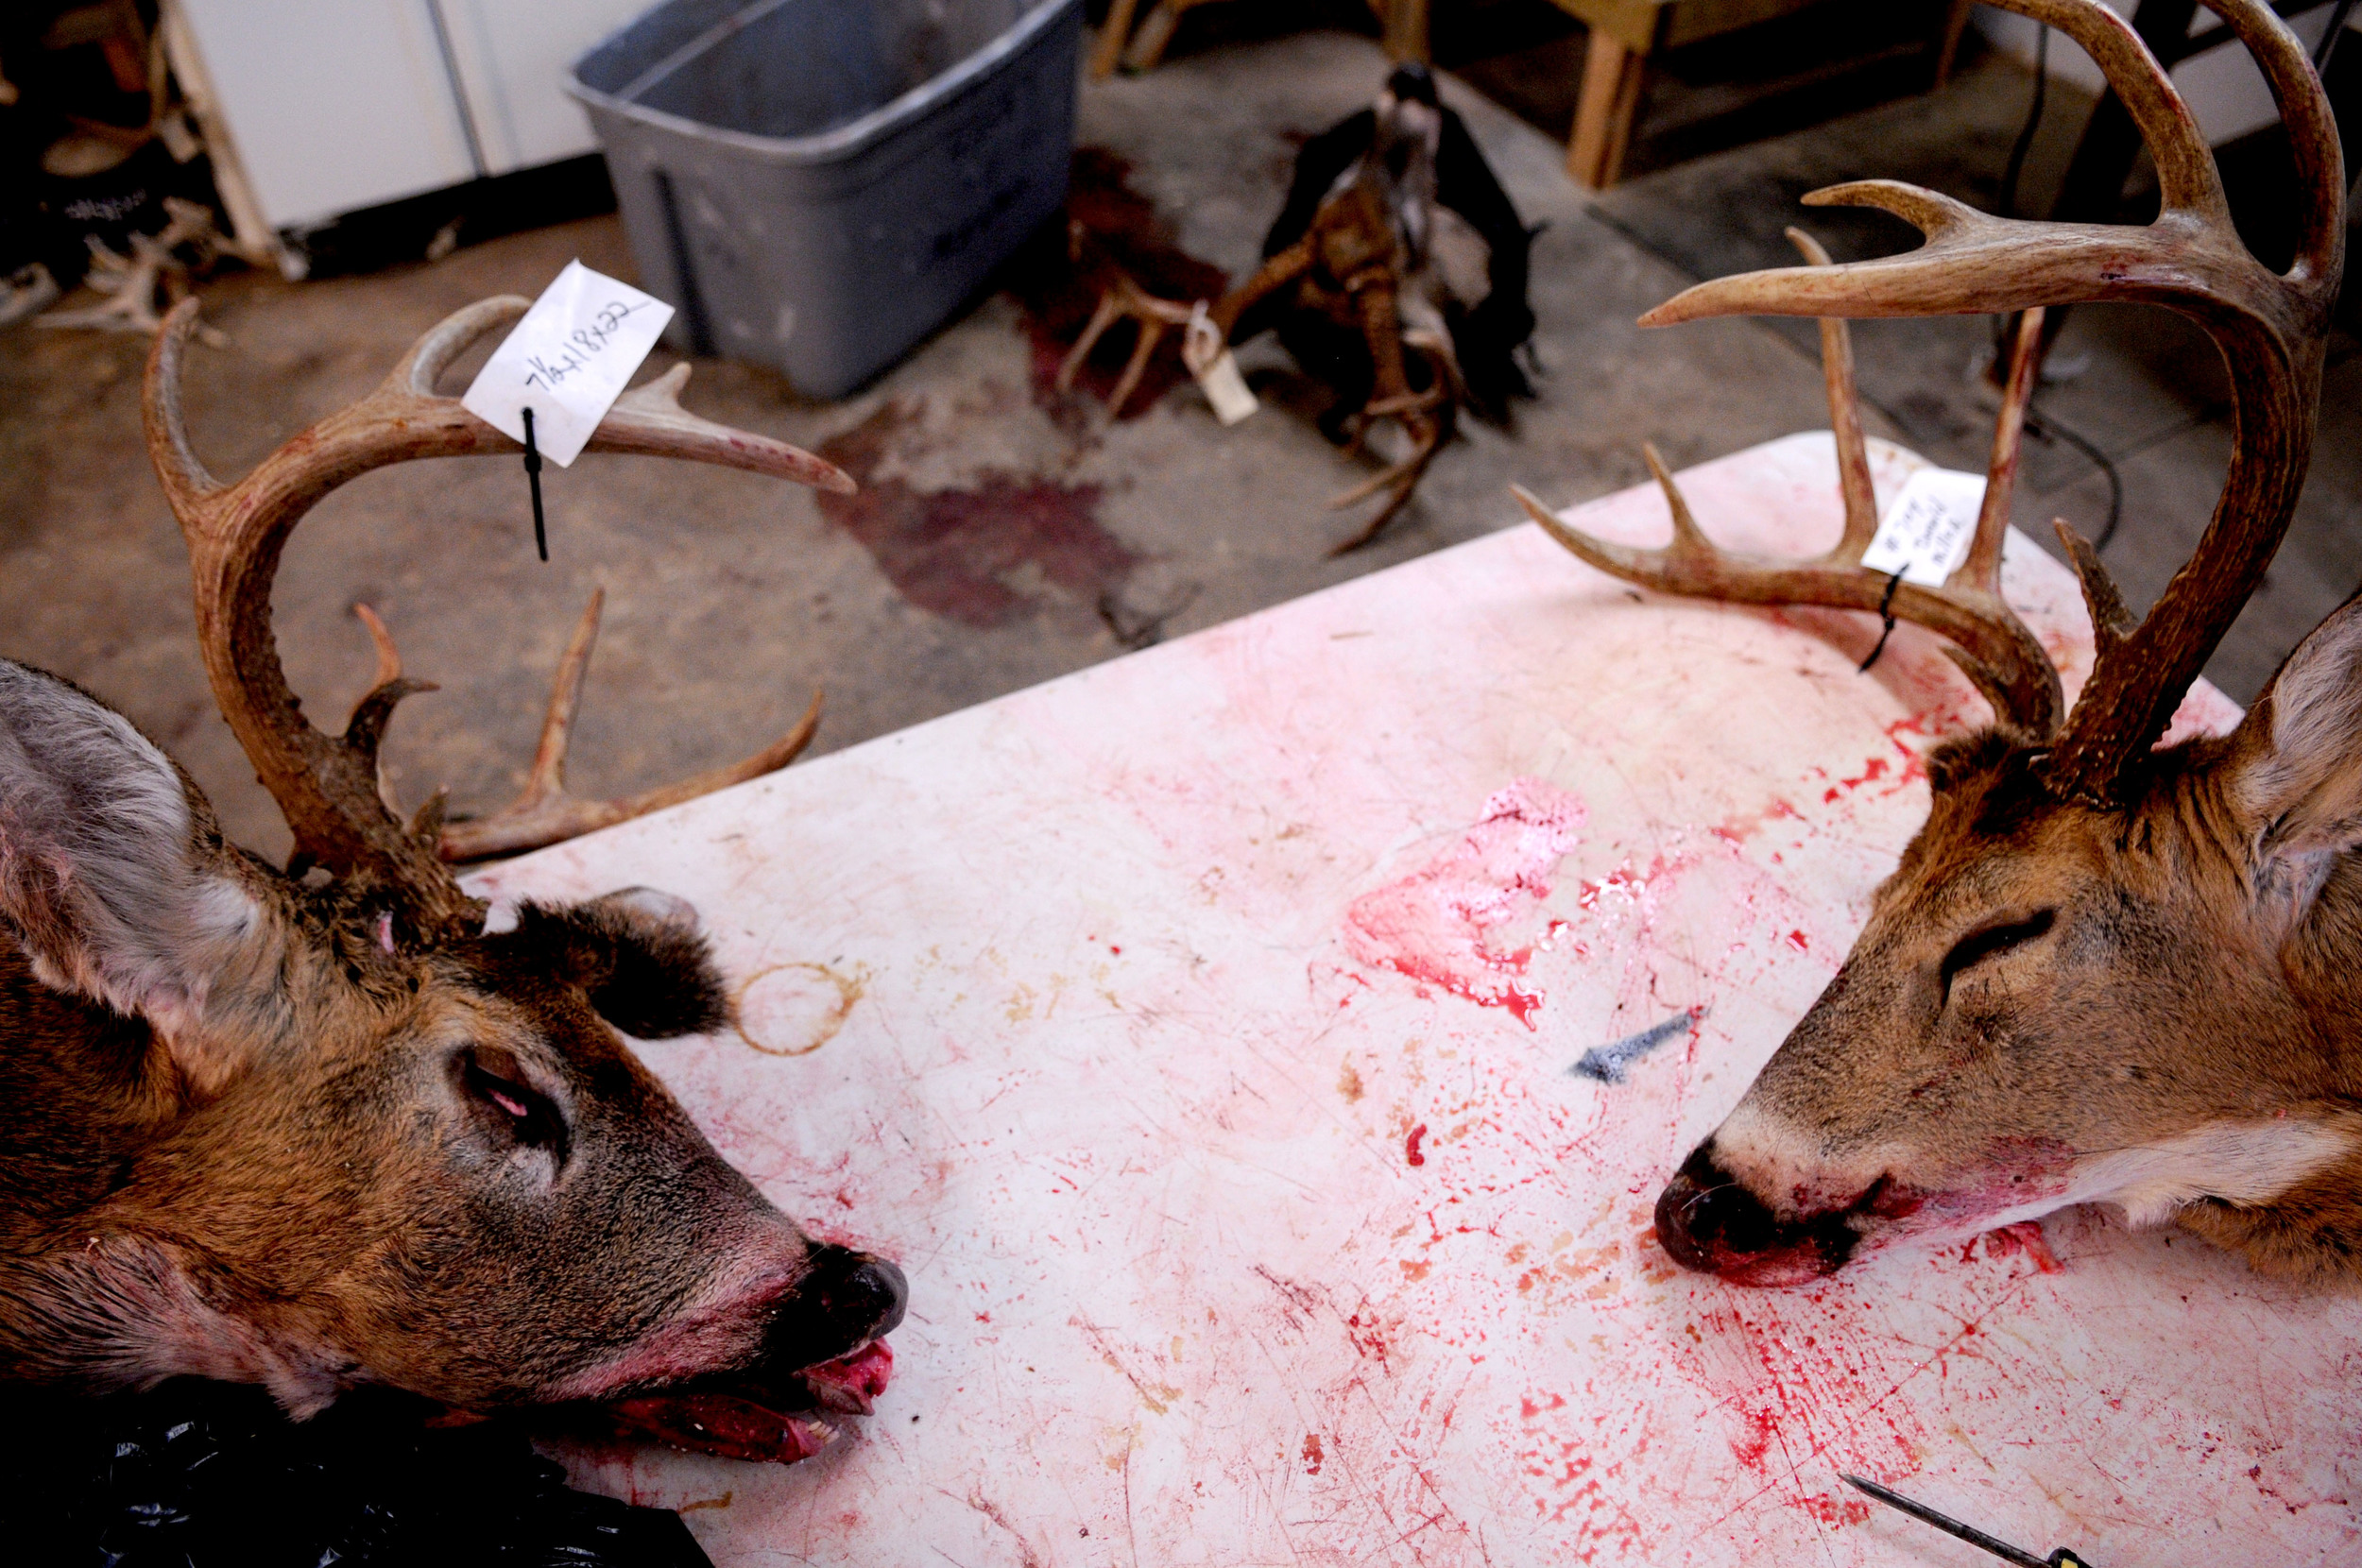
520,1111
1979,945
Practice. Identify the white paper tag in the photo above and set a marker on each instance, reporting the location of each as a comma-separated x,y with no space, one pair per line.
1926,531
1217,373
568,360
1228,390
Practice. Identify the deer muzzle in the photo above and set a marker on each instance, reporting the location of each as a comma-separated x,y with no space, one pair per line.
1708,1220
847,1300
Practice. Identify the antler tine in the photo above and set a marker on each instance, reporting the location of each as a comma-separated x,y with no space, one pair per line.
1995,650
543,813
1981,567
1853,453
1990,646
381,640
327,787
2272,330
547,776
375,709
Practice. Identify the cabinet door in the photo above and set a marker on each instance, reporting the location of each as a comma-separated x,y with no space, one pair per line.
511,57
335,104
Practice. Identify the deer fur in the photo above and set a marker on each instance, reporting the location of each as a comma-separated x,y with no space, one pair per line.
246,1137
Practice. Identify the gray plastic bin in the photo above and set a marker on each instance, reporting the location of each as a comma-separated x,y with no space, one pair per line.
818,184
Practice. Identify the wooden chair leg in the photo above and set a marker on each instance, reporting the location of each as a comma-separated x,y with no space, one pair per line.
1604,113
1406,27
1948,41
1148,44
1113,33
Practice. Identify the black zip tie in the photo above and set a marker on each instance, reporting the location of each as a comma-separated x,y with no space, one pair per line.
533,479
1885,613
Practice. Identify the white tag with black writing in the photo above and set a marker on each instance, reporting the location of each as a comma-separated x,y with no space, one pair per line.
568,360
1927,531
1216,372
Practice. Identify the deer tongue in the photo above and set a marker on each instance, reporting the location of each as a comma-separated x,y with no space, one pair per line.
776,1424
852,1383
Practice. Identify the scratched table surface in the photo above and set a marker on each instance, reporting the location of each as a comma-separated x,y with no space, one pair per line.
1263,1053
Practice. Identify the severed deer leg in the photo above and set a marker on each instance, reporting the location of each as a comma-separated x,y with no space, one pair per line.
1393,399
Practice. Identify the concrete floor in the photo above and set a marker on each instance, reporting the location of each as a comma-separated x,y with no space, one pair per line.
1005,535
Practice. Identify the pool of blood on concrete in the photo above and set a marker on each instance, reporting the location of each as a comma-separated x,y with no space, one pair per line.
955,552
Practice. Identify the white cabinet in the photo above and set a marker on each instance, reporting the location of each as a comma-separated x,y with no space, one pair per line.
337,105
510,55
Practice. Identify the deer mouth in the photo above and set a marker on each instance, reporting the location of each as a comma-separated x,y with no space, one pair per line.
775,1420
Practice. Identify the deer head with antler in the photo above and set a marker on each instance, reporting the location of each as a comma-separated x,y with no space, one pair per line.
319,1130
2102,972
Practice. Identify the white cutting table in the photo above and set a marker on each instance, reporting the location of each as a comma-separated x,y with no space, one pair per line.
1198,1031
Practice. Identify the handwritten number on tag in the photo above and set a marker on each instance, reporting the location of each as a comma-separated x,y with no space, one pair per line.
592,337
570,357
1928,526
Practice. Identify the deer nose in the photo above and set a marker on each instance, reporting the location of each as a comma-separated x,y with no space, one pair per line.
846,1300
1706,1219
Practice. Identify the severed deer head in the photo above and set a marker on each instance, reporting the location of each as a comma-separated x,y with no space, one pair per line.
319,1130
2102,972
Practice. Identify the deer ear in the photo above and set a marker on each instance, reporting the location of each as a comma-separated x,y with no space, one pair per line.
2297,758
639,957
112,873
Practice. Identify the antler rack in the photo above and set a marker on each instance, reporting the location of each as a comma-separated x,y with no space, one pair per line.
2271,327
328,785
1988,641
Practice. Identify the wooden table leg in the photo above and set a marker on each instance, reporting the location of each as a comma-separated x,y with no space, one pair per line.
1112,34
1605,110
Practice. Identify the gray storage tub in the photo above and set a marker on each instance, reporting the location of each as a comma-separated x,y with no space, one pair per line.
818,184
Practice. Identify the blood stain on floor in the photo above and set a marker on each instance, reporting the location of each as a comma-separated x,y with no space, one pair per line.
959,553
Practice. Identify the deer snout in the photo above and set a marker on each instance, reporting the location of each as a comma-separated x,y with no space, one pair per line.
845,1300
1707,1219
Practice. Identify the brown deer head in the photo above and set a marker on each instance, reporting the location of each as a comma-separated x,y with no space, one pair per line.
2102,972
320,1127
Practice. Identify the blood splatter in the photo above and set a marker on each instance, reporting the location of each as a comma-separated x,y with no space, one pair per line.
1739,830
1430,926
1835,1510
1313,1456
1411,1146
954,551
2024,1237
